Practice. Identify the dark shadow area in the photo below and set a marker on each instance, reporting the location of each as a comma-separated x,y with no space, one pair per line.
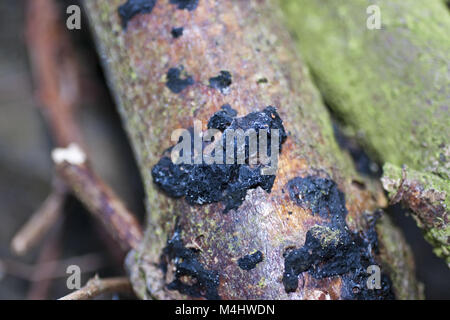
431,270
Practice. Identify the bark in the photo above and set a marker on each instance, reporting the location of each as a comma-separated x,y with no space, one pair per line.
246,39
390,87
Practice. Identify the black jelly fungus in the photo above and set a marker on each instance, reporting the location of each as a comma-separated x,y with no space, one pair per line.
221,82
186,262
185,4
175,83
250,261
133,7
332,249
177,32
228,183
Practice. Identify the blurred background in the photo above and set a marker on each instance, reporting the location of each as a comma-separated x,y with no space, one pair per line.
26,168
26,175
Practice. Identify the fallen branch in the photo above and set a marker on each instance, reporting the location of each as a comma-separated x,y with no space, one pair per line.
97,286
234,67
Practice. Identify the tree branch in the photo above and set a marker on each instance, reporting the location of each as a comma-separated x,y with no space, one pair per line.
100,199
41,221
97,286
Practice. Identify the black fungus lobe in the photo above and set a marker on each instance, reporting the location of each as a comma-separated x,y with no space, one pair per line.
250,261
332,249
204,282
221,82
177,32
175,83
185,4
223,118
321,195
133,7
228,183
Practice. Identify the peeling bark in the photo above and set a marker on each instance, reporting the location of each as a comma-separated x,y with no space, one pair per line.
192,250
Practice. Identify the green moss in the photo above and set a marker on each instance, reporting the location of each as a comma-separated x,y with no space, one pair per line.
434,191
326,235
262,282
389,86
392,176
439,239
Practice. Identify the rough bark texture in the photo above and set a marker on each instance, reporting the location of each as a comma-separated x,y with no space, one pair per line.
391,88
245,39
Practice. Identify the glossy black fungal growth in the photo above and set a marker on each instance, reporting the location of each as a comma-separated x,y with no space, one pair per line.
174,81
228,183
185,4
320,195
223,118
250,261
133,7
177,32
327,252
191,278
221,82
355,287
332,249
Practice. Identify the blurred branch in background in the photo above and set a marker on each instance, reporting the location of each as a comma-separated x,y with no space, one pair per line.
55,72
41,221
87,263
51,250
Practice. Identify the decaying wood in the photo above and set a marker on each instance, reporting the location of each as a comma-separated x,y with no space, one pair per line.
245,39
391,88
97,286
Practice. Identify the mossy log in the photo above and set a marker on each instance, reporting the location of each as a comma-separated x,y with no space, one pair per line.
391,89
317,208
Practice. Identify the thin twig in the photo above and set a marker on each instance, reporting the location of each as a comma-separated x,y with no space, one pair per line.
97,286
99,198
50,251
41,221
